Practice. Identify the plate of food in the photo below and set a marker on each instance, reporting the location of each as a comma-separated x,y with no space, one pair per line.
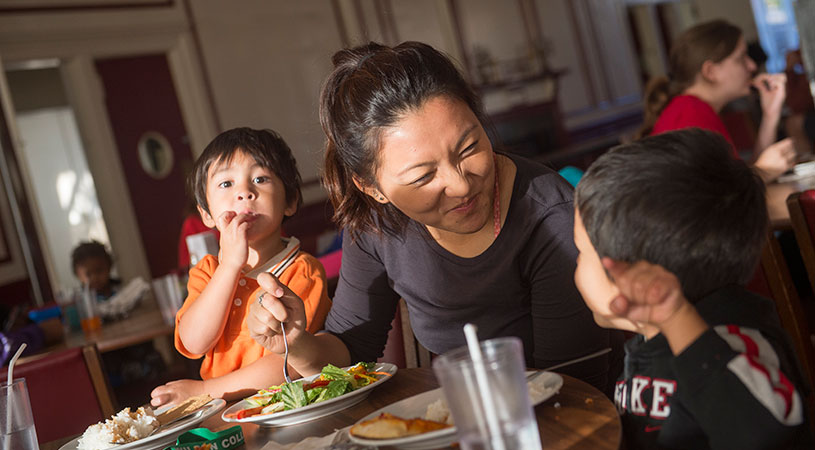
309,398
424,422
144,428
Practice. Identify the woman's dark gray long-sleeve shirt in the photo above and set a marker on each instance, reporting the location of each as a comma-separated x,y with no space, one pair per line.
522,285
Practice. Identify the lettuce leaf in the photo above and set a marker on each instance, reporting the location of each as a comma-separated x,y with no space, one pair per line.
293,396
312,394
332,372
333,390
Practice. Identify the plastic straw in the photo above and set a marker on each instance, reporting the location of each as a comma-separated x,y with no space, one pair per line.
8,383
483,386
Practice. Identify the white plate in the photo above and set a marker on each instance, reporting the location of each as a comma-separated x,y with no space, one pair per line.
313,411
165,436
541,387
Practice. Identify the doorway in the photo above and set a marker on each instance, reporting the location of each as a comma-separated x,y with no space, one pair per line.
53,157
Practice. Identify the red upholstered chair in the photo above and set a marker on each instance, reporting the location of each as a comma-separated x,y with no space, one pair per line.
68,391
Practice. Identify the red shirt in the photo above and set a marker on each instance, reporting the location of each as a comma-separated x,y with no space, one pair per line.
685,111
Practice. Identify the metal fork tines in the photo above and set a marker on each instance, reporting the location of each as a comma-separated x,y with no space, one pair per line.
286,354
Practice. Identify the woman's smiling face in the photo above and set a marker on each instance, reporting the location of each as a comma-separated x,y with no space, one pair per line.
435,165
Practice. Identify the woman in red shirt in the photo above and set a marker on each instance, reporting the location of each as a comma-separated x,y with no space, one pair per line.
709,67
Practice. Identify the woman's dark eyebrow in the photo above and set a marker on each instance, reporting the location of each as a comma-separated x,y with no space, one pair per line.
459,143
465,134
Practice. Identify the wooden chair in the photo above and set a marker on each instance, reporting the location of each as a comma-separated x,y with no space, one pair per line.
801,206
773,277
68,389
402,347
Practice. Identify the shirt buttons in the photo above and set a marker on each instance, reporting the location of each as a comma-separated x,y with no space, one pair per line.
237,302
242,282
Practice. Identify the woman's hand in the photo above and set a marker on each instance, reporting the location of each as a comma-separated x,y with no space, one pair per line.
776,159
772,90
234,244
279,304
175,392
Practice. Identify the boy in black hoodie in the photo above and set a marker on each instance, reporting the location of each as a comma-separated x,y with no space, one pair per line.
669,229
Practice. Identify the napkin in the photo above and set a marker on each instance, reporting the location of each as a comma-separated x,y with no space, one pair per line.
124,300
338,438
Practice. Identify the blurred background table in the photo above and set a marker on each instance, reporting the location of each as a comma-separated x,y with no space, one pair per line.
777,194
143,324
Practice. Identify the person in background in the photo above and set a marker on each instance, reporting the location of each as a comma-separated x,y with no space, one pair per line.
245,183
17,330
708,68
669,229
432,214
800,125
92,264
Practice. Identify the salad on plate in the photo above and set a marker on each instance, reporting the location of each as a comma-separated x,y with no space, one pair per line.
332,382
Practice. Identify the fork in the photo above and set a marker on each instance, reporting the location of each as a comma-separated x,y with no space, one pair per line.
286,354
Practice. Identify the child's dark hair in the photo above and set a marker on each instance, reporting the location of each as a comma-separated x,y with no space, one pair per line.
679,200
89,250
267,148
371,88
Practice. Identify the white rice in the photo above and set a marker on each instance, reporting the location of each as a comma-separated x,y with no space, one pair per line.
120,429
438,412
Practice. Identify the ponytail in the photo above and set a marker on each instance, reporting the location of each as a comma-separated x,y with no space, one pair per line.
657,96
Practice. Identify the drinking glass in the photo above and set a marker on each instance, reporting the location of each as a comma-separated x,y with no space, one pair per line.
17,419
88,310
507,421
167,290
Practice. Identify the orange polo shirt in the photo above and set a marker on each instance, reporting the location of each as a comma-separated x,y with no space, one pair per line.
236,348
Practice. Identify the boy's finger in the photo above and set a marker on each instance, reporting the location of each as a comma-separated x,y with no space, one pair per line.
615,268
619,306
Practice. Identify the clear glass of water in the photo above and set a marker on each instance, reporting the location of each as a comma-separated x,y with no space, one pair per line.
513,421
16,417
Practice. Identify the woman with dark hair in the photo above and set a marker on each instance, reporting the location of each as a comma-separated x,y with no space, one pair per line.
708,68
433,215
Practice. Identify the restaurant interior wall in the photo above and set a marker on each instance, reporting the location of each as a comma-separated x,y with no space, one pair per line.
262,64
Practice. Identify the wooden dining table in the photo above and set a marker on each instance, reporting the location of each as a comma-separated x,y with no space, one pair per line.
777,194
578,417
143,324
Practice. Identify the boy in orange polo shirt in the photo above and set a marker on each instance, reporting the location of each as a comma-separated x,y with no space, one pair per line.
245,183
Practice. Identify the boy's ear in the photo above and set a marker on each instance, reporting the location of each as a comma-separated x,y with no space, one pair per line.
206,217
370,191
291,208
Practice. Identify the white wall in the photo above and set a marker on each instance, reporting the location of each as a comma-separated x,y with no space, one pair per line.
266,61
738,12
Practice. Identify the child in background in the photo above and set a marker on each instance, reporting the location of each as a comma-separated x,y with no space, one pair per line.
245,183
92,263
669,229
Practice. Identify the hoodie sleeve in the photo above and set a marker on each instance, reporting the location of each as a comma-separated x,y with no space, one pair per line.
734,382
